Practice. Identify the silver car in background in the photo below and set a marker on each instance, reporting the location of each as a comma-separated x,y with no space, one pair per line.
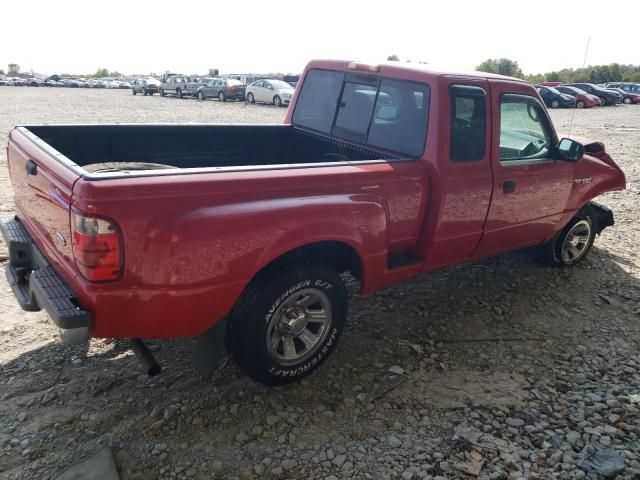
277,92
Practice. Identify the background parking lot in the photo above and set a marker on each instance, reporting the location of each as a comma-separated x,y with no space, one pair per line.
511,368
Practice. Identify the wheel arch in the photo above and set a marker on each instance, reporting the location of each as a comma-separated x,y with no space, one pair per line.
340,254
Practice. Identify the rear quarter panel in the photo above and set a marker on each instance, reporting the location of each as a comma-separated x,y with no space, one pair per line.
193,242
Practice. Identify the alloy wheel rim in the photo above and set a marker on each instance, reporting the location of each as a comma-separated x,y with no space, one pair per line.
575,243
299,326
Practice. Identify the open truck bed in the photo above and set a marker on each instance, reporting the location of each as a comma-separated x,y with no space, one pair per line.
99,149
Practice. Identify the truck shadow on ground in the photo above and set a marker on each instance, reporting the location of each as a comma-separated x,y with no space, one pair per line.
503,300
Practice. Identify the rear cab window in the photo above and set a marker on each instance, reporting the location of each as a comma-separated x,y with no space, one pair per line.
379,112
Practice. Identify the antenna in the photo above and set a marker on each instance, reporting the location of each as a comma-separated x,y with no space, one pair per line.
584,62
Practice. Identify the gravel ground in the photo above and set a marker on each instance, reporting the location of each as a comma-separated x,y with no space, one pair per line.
502,369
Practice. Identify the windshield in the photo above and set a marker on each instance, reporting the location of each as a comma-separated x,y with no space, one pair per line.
553,90
280,84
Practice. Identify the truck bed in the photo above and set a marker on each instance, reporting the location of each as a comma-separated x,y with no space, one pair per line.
111,148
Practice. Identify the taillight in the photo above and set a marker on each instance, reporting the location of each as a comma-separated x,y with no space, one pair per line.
97,247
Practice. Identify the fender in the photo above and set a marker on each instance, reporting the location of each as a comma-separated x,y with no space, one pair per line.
359,220
596,173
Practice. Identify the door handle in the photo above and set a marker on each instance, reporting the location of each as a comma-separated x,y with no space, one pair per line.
509,186
31,167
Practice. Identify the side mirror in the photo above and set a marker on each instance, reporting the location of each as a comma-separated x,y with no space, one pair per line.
570,150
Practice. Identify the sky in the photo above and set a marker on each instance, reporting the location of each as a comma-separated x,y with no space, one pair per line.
268,36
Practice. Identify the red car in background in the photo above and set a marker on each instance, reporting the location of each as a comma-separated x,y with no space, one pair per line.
583,99
627,97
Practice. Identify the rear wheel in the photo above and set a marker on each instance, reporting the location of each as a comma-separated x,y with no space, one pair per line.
277,101
222,97
162,94
287,322
145,91
571,245
133,90
178,93
580,104
200,95
250,98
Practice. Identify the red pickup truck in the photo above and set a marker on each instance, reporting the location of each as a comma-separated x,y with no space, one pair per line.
242,232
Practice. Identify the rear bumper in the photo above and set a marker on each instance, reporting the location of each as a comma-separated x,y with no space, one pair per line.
37,285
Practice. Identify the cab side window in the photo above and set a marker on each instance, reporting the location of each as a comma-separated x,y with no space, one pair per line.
524,132
468,123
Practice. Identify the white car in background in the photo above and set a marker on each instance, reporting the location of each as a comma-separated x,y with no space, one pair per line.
276,92
112,84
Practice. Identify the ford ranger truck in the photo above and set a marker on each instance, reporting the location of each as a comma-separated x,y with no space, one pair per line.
179,85
239,234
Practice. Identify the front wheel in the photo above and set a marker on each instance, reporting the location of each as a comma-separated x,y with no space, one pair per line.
571,245
580,104
277,101
133,90
178,93
200,95
222,97
250,98
145,91
288,322
162,93
603,101
627,100
555,104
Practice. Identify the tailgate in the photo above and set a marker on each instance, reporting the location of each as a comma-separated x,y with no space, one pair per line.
42,183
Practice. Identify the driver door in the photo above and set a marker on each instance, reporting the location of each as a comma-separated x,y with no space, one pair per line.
530,189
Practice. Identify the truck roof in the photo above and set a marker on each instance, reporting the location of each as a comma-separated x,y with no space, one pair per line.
404,69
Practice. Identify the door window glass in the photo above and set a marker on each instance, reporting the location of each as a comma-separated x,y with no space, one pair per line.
468,126
523,135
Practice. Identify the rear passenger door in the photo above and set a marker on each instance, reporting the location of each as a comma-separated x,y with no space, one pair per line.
530,188
465,165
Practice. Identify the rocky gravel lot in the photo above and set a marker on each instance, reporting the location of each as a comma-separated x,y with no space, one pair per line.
501,369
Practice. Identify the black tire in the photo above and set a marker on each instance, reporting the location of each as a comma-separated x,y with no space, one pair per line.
145,91
178,93
554,252
222,97
200,95
580,104
627,100
604,101
250,98
555,103
133,90
277,101
257,320
162,94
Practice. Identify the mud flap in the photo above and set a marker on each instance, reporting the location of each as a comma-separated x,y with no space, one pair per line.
603,216
210,352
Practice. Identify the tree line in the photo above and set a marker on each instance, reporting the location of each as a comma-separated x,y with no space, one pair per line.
614,72
14,71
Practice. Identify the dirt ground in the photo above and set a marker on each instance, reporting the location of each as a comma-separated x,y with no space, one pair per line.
512,370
